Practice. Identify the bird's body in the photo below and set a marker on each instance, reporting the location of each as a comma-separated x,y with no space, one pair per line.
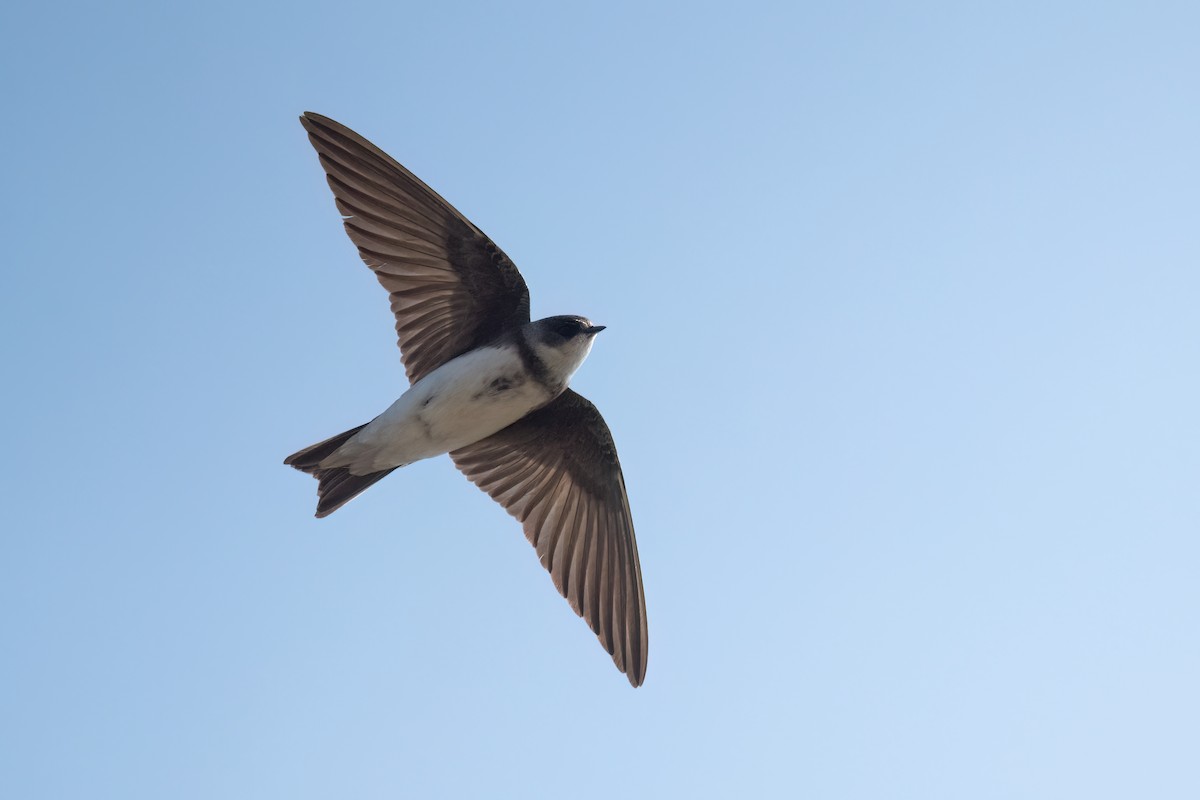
461,402
488,386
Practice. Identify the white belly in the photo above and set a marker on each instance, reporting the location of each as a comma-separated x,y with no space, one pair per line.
460,402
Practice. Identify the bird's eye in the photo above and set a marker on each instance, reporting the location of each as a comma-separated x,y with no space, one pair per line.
567,329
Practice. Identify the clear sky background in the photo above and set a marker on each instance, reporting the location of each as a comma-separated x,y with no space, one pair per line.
901,362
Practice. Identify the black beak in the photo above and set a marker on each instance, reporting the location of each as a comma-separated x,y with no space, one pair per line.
592,331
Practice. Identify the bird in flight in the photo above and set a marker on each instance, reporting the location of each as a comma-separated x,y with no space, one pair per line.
488,386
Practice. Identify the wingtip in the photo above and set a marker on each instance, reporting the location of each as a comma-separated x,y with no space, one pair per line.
311,120
636,674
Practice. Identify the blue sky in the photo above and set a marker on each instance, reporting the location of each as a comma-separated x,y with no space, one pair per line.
901,363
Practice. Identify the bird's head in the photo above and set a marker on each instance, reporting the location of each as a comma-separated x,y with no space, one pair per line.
563,342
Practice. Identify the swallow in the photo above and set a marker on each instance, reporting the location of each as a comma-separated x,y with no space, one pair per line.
488,386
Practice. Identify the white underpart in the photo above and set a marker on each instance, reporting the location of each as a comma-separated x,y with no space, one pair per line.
457,404
564,360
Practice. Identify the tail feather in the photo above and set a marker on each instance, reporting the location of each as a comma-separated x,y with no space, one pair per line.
336,486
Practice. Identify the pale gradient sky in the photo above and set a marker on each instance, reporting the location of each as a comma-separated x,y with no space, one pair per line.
901,361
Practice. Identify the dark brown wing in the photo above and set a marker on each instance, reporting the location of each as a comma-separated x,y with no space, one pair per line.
452,289
557,471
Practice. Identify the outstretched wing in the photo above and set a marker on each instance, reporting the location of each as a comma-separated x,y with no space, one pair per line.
557,471
452,289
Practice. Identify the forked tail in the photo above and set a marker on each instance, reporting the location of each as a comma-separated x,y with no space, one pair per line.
336,486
